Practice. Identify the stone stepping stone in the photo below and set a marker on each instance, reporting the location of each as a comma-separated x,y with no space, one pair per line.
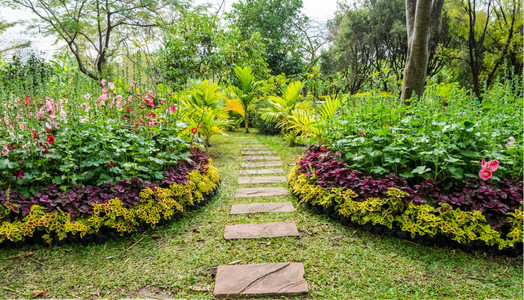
266,179
262,230
262,280
261,171
262,164
258,152
261,192
273,158
257,149
271,207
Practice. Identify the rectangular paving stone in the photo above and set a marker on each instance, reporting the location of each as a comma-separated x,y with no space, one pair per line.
265,179
258,152
256,148
262,280
262,230
261,192
273,158
261,171
262,164
239,209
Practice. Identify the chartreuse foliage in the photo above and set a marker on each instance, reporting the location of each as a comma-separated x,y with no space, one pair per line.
390,210
245,93
154,204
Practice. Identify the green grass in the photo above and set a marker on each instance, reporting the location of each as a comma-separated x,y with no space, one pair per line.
340,262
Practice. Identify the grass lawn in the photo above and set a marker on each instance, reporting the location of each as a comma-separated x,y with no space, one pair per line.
179,260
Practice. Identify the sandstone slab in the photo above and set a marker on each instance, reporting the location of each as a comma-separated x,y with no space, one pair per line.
239,209
265,179
258,152
270,158
261,192
261,171
262,230
262,164
263,280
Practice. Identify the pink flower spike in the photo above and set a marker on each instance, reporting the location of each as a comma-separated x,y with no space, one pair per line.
103,82
111,86
485,174
493,165
162,101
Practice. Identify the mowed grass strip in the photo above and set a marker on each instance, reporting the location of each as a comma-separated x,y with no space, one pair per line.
179,260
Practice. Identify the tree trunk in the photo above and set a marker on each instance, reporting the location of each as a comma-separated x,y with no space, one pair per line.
423,18
246,121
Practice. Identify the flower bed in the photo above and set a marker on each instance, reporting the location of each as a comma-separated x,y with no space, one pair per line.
84,166
113,208
421,212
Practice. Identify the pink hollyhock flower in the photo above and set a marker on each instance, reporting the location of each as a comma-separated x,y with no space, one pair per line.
103,81
111,164
27,100
63,113
485,174
6,151
193,130
201,126
132,82
50,139
491,165
23,126
170,94
21,174
361,133
104,91
162,101
40,114
30,114
111,86
173,108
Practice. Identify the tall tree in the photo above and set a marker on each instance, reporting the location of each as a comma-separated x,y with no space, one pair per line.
93,30
423,20
278,22
486,33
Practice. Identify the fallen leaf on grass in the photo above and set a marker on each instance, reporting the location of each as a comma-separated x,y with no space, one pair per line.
199,288
156,236
38,293
27,254
234,262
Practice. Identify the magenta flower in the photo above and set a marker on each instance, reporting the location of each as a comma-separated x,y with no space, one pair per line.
485,174
488,168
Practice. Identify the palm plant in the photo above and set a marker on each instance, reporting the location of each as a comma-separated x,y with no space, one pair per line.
245,91
205,111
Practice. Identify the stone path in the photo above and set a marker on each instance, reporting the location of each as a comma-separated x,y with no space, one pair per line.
270,279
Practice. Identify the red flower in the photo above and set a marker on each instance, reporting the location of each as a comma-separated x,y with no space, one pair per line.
111,164
27,100
152,115
173,108
361,133
21,174
194,130
50,139
129,108
35,135
201,126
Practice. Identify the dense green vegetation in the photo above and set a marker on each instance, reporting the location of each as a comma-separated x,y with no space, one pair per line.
119,132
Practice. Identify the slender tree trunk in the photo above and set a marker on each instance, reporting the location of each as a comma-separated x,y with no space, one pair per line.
246,122
421,18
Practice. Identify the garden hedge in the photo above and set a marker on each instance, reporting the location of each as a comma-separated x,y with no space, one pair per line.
392,212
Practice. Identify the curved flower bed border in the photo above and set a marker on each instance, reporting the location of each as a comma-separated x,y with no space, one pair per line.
438,224
155,206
